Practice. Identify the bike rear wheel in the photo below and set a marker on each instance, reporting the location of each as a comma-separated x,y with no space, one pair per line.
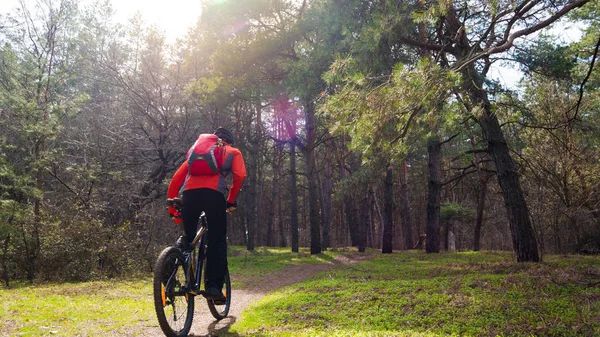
221,310
174,305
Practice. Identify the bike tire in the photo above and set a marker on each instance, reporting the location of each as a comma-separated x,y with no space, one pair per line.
221,311
174,306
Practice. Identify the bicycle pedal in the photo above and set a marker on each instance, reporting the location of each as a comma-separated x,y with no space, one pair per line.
220,302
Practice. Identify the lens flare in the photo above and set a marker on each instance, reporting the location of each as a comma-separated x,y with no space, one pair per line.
235,28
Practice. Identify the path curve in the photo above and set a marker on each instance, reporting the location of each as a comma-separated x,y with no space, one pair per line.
205,325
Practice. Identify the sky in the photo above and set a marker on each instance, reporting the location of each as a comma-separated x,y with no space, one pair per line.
173,17
563,31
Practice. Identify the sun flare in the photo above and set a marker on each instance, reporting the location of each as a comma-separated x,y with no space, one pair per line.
174,17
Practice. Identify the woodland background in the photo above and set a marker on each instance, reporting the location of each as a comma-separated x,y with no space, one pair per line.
362,123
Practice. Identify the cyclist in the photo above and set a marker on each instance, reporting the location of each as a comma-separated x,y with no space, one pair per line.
208,193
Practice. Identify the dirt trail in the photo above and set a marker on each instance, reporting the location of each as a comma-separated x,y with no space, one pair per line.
205,325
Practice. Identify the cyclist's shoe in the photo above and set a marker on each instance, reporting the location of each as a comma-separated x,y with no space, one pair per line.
183,244
215,295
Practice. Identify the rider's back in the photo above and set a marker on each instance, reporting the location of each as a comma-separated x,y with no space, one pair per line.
233,164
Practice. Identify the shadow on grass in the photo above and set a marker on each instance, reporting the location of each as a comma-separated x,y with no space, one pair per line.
326,258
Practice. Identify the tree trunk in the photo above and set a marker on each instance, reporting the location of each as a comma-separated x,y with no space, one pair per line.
252,196
351,221
373,210
326,209
382,220
244,225
5,273
482,191
434,190
271,217
479,217
282,241
349,208
421,243
341,230
304,228
294,197
405,209
388,210
524,243
277,202
259,226
253,176
29,254
446,233
450,238
311,176
364,222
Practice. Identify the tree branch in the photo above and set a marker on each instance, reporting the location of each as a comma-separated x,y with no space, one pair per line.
458,177
586,79
425,45
407,126
508,42
477,151
449,139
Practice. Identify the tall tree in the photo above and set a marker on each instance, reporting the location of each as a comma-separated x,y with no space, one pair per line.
39,39
388,211
311,176
405,208
468,43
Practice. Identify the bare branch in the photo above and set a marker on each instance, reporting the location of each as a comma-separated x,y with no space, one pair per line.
459,177
586,79
508,42
450,139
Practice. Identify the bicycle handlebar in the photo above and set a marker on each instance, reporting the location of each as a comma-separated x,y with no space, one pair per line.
175,202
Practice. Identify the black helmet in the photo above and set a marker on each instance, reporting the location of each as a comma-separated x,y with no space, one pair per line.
225,135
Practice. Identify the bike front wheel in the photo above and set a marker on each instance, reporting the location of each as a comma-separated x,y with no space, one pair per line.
220,310
174,305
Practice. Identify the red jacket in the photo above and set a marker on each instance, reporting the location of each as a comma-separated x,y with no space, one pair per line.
234,163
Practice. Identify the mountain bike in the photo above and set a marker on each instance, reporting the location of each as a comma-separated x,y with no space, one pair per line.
178,279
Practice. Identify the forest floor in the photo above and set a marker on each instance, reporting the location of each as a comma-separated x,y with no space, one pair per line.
255,288
338,293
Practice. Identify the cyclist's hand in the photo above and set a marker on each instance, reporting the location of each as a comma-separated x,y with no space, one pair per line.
175,214
174,210
231,206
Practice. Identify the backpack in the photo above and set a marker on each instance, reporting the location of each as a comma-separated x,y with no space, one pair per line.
206,156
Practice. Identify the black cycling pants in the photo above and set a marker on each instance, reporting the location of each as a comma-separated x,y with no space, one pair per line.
214,205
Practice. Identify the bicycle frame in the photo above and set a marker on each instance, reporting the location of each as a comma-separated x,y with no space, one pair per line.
193,283
178,279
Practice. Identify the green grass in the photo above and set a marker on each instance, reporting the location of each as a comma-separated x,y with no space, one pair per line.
105,308
450,294
249,267
402,294
85,309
